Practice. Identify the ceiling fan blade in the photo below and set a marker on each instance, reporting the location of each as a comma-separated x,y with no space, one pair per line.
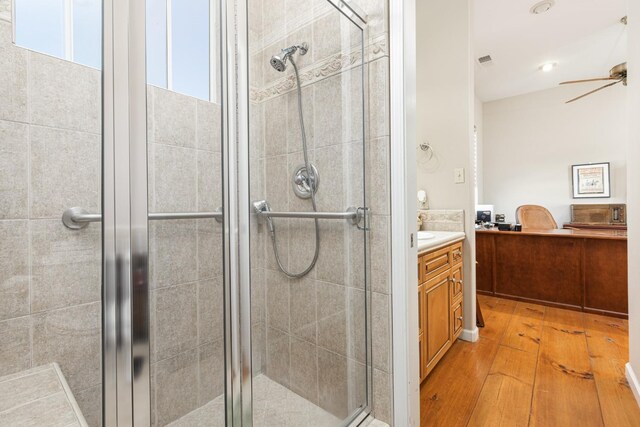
589,80
593,91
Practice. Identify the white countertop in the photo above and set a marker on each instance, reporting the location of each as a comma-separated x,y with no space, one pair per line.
441,239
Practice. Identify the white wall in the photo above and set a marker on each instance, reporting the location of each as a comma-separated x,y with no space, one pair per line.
445,104
531,141
633,180
479,124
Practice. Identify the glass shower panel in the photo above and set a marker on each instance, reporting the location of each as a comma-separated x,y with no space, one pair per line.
50,275
185,232
308,271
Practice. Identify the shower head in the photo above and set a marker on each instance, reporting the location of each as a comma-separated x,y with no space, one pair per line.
279,62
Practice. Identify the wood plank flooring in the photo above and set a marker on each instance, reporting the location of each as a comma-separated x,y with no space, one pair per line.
534,366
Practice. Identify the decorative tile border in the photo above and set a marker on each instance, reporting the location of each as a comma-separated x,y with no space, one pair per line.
333,65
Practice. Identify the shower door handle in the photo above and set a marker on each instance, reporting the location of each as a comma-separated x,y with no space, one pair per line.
78,218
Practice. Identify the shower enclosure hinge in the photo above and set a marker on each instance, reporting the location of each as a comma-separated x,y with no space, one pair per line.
364,219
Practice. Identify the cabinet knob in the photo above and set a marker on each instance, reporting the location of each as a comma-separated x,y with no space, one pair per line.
460,318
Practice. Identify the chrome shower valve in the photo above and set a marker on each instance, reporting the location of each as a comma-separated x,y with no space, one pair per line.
304,183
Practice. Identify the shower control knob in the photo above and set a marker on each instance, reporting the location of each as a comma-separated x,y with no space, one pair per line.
302,183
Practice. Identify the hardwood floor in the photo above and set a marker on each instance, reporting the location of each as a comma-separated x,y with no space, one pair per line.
533,366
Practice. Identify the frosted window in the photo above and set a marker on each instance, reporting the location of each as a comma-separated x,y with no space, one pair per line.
190,47
87,32
178,38
40,26
157,42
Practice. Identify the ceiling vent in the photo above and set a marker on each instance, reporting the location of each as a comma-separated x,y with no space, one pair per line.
483,60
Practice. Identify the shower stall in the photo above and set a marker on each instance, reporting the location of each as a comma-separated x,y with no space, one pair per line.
184,223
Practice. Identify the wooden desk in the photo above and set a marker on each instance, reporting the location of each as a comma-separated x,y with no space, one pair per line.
577,269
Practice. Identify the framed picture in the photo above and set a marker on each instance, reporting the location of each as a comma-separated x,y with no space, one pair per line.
591,181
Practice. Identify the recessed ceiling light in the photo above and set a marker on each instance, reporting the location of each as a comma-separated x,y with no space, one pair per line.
542,7
549,66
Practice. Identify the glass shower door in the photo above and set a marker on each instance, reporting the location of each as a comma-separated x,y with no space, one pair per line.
308,226
186,273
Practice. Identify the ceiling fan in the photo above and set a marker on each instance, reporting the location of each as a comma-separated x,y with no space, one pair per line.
617,73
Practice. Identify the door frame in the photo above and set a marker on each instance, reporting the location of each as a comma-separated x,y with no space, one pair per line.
404,277
238,78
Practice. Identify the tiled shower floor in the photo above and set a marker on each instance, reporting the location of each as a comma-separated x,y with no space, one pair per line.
273,406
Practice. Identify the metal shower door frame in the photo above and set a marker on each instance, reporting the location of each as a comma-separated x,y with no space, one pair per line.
125,265
125,275
125,313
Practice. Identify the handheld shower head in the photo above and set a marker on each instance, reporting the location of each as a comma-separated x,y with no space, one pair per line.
279,62
260,206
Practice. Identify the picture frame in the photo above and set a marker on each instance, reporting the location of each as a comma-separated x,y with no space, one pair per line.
591,180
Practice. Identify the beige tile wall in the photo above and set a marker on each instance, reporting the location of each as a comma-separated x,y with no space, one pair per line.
315,326
50,151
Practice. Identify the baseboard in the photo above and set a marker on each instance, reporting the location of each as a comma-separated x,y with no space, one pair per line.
633,382
470,335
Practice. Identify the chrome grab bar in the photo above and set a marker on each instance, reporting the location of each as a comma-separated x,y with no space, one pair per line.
78,218
351,214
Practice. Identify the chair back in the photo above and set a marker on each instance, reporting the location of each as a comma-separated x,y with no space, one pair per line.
535,217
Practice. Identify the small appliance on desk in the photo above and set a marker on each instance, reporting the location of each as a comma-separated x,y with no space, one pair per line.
484,214
507,226
598,214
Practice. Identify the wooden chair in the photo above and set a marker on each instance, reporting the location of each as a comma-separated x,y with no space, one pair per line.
535,217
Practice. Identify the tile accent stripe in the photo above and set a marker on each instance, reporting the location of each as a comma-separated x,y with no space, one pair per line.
320,70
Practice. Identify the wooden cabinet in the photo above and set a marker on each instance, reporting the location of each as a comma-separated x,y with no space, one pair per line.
440,291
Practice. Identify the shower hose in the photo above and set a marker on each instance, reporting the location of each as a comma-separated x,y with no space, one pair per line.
312,188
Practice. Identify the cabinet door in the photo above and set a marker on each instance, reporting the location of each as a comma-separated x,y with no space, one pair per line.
423,360
457,320
457,283
422,319
438,328
457,254
422,326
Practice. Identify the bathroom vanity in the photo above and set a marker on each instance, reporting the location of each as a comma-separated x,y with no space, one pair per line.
440,296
